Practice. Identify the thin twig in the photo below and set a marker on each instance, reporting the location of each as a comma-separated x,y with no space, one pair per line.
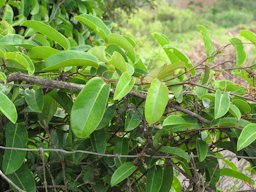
10,182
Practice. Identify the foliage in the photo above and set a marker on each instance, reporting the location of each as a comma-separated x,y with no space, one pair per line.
81,112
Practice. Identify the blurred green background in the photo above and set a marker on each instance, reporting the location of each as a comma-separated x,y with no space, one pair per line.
178,19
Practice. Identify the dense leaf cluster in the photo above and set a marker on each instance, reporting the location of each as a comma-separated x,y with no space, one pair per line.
81,112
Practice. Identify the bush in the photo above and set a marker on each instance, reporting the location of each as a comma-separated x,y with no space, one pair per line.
81,112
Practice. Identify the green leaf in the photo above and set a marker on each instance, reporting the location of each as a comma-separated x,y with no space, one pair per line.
99,52
69,58
233,109
176,184
202,150
123,172
22,60
8,14
8,108
176,151
208,44
49,109
89,107
132,120
222,103
108,116
24,179
156,101
249,35
240,53
95,24
122,42
99,141
117,60
16,136
161,39
242,105
48,31
167,179
34,99
236,174
180,123
17,40
124,86
154,179
247,136
2,77
42,52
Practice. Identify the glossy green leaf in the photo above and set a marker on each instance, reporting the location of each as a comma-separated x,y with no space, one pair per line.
226,85
249,35
161,39
132,120
17,40
122,42
176,184
69,58
2,77
240,53
95,24
156,101
154,179
202,150
208,44
8,108
124,86
89,107
233,109
167,179
8,14
222,103
108,116
42,52
16,136
247,136
24,179
122,172
34,99
22,60
48,31
236,174
180,123
176,151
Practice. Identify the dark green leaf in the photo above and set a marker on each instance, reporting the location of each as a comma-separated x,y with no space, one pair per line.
154,179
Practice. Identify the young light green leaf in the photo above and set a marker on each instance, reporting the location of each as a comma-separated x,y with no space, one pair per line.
8,14
176,151
247,136
22,60
122,42
48,31
8,108
161,39
208,44
95,24
236,174
222,103
123,172
124,86
202,149
180,123
34,99
132,120
117,60
99,52
249,35
69,58
16,136
89,107
2,77
240,53
24,179
233,109
42,52
156,101
167,179
154,179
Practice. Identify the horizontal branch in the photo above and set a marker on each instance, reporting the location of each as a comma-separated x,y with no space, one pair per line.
114,155
54,84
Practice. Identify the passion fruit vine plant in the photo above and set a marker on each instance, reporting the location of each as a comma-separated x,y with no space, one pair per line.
81,112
